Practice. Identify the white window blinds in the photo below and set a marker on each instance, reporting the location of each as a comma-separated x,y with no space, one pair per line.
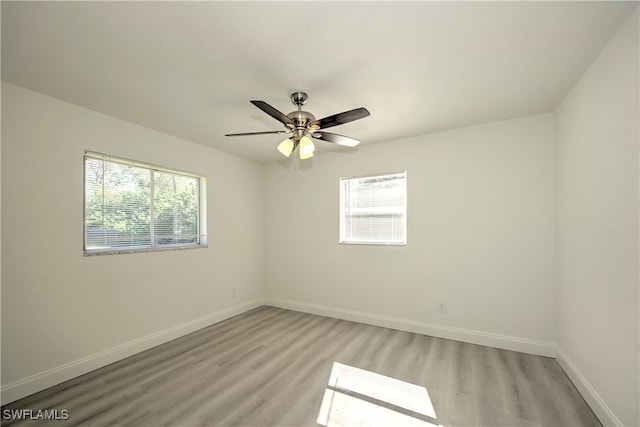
130,205
373,209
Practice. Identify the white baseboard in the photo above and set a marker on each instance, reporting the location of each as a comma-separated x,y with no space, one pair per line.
593,399
540,348
40,381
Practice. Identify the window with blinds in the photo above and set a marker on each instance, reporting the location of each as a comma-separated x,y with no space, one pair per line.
131,206
373,209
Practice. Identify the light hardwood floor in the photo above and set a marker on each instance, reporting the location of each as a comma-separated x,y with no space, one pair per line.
270,367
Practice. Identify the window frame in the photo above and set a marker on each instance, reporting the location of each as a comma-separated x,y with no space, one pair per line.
201,233
342,217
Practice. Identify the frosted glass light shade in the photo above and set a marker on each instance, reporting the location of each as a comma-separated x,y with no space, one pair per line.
286,147
306,148
305,156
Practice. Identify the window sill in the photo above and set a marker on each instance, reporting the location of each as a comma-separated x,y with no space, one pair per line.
375,243
139,250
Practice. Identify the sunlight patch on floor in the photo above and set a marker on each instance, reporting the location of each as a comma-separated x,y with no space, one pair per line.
355,397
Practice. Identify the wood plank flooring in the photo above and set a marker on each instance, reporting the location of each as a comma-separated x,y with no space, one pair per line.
270,367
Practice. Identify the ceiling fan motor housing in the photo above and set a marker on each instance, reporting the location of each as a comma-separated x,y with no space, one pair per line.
300,118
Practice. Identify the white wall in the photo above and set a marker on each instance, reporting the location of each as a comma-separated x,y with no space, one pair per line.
481,221
63,313
483,215
597,167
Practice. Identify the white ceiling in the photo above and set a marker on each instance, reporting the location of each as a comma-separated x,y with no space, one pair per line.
189,69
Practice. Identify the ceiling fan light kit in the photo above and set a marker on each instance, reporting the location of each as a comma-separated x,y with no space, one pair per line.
302,125
306,148
286,147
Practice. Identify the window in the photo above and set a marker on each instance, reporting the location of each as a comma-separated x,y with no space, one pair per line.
131,206
373,209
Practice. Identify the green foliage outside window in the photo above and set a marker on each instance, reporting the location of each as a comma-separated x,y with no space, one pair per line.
128,206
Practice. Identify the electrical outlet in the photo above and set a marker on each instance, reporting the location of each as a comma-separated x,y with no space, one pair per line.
234,293
442,306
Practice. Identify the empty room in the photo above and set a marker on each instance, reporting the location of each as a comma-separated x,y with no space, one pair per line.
223,213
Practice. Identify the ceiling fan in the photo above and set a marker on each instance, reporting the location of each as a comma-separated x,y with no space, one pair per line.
301,125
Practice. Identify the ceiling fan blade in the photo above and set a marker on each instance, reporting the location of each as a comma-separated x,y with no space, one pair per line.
336,139
339,119
257,133
279,116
